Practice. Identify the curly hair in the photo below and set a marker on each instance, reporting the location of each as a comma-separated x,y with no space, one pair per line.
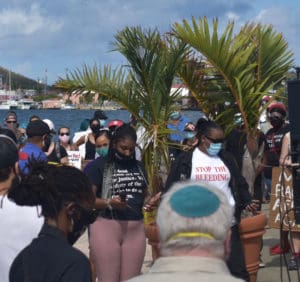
51,186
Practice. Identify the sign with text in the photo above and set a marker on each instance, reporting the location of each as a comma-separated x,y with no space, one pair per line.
282,202
74,158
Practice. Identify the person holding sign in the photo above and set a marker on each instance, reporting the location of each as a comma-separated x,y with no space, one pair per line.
285,160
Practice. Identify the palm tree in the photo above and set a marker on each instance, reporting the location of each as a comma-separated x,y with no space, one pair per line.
250,64
143,87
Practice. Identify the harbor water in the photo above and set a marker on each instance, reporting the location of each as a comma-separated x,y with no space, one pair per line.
73,118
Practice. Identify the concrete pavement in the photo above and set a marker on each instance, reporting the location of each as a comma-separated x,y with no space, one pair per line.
275,269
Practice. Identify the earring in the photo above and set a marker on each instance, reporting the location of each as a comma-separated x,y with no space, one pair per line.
72,224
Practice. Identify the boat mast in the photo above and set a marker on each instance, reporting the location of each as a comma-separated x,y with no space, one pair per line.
9,82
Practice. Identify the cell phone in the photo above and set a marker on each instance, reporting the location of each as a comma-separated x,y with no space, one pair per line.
123,196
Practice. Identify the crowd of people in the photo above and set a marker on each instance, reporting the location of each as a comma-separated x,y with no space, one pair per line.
47,204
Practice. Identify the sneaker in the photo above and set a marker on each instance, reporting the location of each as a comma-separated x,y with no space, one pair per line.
293,264
277,250
261,264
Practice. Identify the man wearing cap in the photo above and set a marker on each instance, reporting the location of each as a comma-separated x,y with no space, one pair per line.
19,225
178,123
194,228
101,116
38,133
11,122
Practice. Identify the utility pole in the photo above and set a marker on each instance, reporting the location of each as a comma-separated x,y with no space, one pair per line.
45,90
9,81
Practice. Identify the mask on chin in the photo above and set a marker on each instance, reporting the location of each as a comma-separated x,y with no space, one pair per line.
214,149
82,218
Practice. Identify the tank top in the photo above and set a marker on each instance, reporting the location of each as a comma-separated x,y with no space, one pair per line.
90,150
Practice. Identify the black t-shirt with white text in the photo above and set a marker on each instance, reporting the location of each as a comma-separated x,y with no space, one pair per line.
273,148
128,178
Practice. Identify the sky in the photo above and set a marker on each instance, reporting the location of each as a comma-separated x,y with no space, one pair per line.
44,39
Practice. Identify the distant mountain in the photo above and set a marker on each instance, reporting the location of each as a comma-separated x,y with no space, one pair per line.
18,81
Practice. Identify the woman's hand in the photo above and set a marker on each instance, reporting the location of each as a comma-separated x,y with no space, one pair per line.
253,206
152,202
117,203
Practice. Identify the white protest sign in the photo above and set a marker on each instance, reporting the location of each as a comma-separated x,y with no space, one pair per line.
74,158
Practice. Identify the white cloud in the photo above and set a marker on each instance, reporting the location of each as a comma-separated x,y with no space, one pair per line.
233,16
60,34
18,21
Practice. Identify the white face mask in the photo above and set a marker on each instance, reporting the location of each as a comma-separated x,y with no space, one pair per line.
64,138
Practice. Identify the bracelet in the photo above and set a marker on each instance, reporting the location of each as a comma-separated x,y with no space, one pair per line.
108,201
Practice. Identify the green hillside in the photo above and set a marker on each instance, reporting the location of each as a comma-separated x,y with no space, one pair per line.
18,81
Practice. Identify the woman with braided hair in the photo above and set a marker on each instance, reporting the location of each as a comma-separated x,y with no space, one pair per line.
66,200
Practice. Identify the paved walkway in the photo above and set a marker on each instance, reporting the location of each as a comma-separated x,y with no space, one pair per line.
275,266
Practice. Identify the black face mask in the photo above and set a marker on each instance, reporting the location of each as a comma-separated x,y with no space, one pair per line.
124,158
276,122
95,128
47,142
81,219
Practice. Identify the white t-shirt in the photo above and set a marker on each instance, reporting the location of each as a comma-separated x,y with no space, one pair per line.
212,171
77,136
18,226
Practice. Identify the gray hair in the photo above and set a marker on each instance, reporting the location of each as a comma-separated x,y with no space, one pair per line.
215,225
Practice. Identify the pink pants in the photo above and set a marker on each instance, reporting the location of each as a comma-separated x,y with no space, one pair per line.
118,248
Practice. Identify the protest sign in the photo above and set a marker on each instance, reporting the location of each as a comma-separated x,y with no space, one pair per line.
74,158
282,202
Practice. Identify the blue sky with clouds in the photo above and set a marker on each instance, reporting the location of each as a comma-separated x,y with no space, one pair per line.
56,35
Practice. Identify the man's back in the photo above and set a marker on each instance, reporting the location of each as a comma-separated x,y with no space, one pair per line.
187,269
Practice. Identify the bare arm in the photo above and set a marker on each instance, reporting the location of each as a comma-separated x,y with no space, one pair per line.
285,158
80,141
114,203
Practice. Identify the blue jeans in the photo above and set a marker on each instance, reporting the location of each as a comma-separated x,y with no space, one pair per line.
268,183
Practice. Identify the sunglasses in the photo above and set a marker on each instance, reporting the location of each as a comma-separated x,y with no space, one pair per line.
64,133
11,121
221,140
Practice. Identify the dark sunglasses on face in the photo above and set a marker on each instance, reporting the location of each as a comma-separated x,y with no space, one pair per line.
64,133
221,140
11,121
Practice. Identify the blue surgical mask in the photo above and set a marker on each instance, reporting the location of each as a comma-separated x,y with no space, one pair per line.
102,122
103,151
214,149
189,134
175,115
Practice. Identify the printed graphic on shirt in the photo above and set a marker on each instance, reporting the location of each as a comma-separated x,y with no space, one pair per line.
212,173
128,181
